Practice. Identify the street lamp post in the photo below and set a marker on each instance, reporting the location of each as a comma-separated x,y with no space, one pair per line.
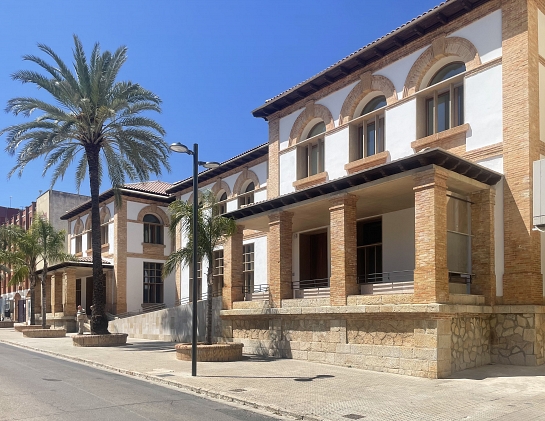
179,148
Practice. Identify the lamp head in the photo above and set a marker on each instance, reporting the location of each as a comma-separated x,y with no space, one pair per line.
210,165
179,148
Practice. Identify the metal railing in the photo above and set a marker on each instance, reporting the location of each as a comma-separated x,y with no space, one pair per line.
387,277
311,283
253,289
147,308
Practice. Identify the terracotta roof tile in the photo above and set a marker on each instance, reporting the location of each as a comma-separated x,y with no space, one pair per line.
157,187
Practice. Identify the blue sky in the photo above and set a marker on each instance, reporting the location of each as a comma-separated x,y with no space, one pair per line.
211,62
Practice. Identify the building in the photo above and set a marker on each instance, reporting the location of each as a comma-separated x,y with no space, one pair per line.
398,214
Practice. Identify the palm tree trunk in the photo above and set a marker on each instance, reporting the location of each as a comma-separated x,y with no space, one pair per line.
99,322
209,304
44,296
32,299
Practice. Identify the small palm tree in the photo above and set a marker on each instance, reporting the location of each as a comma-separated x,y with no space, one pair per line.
92,116
25,251
213,230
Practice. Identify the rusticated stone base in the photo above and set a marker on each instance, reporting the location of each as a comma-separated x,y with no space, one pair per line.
22,328
214,352
44,333
6,325
112,339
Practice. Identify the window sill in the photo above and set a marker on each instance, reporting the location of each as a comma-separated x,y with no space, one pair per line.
367,162
105,246
79,254
439,139
313,180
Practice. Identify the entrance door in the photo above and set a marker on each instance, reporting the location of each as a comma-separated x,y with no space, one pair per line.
313,261
21,307
88,294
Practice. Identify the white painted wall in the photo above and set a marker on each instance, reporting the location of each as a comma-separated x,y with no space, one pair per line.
336,153
261,171
232,205
135,282
397,71
285,125
288,171
260,195
400,129
398,249
485,35
135,237
133,209
230,180
260,260
111,208
483,108
334,102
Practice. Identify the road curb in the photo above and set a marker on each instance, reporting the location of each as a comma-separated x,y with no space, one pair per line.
159,380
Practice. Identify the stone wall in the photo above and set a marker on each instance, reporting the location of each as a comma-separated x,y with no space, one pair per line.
413,345
517,339
171,324
470,338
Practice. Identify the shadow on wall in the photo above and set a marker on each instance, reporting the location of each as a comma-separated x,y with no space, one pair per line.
171,324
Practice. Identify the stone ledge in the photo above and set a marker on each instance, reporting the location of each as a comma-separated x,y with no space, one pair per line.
6,325
44,333
22,328
231,351
310,181
112,339
251,304
367,162
436,139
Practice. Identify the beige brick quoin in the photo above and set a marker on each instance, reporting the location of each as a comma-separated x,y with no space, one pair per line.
232,269
279,244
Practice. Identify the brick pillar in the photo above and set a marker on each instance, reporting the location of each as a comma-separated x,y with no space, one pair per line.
522,280
48,293
279,244
56,292
38,296
120,255
430,201
482,245
110,292
69,292
233,280
342,234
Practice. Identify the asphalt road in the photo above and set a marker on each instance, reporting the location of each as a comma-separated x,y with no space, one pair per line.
39,387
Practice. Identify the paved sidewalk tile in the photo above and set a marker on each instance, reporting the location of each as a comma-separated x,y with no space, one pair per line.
319,391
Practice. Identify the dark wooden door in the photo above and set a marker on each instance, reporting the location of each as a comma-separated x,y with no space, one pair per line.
21,313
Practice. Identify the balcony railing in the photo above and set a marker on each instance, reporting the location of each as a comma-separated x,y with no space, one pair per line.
255,292
308,288
386,277
395,282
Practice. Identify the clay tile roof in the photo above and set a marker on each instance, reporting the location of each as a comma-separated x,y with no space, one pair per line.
157,187
89,259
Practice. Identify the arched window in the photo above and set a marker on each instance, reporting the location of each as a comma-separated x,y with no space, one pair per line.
310,154
367,134
221,205
88,229
78,230
445,105
153,229
104,220
247,197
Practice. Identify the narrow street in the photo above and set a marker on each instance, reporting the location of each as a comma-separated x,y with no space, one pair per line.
39,388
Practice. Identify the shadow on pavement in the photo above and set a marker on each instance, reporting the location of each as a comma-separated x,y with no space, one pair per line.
150,346
490,371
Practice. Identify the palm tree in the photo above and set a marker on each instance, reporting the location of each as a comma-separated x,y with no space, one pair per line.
92,116
26,250
213,230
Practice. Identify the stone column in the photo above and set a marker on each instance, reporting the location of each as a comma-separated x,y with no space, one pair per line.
482,245
343,242
279,245
56,292
69,295
233,280
431,273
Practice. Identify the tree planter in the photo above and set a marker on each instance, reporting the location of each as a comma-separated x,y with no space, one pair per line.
44,333
22,328
209,353
112,339
6,325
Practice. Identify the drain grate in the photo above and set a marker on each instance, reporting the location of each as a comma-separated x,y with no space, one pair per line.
354,416
237,390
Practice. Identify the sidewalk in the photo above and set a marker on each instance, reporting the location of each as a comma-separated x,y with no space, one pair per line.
317,391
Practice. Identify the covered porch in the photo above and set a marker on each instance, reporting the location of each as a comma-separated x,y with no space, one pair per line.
420,228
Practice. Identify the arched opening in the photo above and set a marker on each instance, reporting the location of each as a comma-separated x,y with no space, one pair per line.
153,229
247,196
310,154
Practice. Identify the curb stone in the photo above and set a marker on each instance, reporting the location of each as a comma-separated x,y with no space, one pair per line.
197,390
